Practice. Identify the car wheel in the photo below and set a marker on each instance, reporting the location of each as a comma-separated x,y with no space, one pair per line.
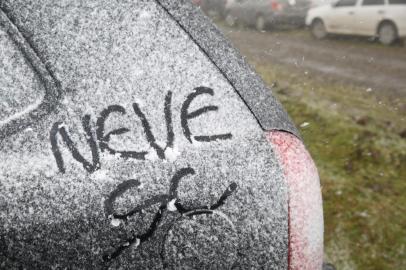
318,29
260,23
230,20
387,33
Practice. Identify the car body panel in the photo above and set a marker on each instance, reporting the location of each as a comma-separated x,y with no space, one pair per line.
340,20
368,17
396,13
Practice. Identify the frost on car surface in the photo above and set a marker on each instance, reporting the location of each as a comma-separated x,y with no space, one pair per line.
149,158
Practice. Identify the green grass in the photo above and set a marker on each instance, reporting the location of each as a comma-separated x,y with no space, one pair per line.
355,141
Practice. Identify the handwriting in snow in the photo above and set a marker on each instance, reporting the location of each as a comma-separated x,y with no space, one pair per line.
163,200
102,141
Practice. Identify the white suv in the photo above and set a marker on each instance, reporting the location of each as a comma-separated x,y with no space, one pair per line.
385,19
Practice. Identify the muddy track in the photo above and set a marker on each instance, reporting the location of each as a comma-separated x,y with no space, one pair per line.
346,60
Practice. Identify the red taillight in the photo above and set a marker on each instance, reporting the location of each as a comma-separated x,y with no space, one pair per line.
304,204
275,6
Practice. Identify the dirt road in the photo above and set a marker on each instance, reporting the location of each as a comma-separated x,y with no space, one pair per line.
377,68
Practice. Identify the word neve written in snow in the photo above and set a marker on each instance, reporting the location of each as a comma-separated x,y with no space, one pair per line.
101,142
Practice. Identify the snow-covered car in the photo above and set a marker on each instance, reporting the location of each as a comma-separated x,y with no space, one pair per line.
384,19
135,136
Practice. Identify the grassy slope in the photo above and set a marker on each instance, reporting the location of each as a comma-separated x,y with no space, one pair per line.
354,140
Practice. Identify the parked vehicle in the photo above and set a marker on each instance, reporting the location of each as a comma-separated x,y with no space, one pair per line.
162,150
212,6
385,19
266,13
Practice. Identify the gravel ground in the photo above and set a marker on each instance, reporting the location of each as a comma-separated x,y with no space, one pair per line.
342,59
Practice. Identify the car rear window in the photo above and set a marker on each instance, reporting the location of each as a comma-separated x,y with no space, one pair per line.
373,2
397,2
